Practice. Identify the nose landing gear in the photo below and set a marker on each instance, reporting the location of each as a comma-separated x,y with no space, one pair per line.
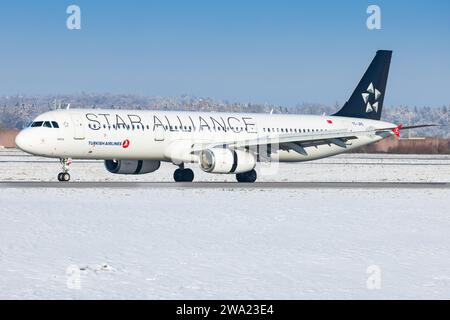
64,176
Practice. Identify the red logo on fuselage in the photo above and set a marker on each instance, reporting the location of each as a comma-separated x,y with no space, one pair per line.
125,143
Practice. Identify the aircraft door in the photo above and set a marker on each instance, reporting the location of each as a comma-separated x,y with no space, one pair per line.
252,128
159,133
78,126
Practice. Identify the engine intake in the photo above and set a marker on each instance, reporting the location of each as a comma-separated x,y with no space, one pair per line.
222,160
132,166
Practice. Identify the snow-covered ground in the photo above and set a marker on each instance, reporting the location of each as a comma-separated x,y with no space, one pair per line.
228,244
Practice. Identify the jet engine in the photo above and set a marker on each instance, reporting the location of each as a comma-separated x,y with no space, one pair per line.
223,160
132,166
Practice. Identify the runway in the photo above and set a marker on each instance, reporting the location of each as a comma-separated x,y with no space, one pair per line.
221,185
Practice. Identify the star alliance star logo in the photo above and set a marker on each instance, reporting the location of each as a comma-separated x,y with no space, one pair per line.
371,91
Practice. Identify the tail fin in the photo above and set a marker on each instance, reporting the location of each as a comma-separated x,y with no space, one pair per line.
367,99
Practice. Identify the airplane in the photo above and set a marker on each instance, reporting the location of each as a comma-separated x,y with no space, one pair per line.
133,142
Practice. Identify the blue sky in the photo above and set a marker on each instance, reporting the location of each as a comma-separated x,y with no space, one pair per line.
281,52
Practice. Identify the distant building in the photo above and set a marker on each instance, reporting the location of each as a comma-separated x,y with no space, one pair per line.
419,145
7,138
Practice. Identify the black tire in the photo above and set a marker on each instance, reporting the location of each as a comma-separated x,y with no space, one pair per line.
178,175
188,175
183,175
247,177
60,177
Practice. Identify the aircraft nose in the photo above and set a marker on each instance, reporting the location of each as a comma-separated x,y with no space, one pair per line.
24,141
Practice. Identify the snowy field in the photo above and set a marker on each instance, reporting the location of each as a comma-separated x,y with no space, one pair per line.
227,244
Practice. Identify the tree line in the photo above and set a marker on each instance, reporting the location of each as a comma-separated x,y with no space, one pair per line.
17,111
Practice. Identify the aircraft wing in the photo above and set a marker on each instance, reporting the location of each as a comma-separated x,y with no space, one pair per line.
292,141
297,141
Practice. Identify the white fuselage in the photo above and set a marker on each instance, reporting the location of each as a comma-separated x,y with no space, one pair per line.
157,135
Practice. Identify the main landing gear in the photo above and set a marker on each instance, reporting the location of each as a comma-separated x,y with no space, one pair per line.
248,177
64,176
183,175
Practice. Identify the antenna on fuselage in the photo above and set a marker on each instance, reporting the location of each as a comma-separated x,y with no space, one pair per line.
68,106
271,111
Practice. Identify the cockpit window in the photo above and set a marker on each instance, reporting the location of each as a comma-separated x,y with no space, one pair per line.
46,124
37,124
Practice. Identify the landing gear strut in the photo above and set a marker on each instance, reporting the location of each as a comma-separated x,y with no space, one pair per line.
64,176
248,177
183,175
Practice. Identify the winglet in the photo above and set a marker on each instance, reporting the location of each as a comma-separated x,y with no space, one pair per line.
397,129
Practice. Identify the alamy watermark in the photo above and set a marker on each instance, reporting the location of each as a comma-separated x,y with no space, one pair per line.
374,20
73,281
374,280
73,21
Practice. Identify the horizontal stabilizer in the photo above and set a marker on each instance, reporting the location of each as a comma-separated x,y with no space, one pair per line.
420,126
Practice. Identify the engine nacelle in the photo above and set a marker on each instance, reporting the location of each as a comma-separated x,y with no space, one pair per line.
132,166
222,160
